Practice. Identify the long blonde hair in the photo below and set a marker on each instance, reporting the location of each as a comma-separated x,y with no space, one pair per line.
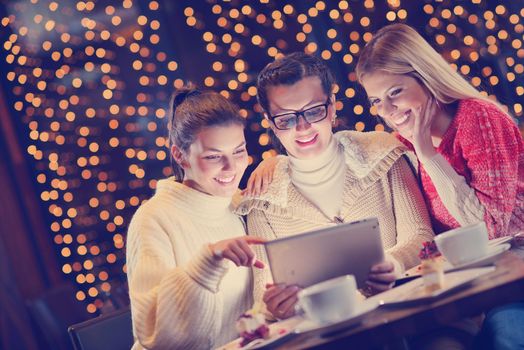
399,49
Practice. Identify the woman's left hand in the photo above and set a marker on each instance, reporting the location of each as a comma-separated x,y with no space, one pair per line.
421,138
280,300
261,177
381,277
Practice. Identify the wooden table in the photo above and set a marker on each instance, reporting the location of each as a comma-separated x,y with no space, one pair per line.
386,325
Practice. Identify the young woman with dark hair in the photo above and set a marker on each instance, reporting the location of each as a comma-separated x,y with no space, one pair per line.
182,243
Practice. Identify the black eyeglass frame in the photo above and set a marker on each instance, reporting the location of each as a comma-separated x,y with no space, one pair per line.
301,113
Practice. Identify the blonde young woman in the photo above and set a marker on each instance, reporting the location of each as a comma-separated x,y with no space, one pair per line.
470,153
183,243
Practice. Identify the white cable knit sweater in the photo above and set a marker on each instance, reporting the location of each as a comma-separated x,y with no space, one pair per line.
378,183
182,297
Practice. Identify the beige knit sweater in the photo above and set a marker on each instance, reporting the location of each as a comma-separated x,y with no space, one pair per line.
378,182
182,297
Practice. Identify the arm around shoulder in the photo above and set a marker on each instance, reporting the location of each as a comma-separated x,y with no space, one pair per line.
456,194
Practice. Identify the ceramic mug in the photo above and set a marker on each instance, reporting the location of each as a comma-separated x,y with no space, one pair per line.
330,301
464,244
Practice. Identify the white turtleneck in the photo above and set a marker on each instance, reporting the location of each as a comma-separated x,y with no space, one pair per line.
181,296
321,179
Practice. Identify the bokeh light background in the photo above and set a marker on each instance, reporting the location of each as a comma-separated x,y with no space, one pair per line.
88,84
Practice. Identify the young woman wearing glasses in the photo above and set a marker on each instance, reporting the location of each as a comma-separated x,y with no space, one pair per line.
330,178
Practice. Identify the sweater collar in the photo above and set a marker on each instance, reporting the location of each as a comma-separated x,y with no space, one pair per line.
191,200
318,170
368,156
316,163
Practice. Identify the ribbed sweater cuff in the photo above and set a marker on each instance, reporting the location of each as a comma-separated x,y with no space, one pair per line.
207,270
459,198
439,168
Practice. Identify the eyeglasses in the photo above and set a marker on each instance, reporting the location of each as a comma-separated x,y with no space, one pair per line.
311,115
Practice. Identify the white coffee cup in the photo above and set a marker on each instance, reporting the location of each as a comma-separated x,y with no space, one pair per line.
464,244
329,301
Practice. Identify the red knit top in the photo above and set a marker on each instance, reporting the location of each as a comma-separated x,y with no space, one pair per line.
484,146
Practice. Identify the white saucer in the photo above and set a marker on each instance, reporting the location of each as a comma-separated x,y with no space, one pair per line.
414,292
279,331
363,308
493,253
500,240
285,329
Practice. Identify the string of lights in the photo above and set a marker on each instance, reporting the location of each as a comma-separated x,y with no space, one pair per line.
89,82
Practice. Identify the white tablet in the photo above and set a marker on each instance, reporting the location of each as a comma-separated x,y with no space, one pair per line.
315,256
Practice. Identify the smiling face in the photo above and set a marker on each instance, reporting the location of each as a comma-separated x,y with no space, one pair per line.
216,160
305,140
398,99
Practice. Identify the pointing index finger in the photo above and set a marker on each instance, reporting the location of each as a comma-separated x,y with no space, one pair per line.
255,240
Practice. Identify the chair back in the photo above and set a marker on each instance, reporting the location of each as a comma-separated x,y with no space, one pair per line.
53,311
110,331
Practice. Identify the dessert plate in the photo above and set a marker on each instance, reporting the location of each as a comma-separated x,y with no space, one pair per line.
283,330
278,331
493,253
414,292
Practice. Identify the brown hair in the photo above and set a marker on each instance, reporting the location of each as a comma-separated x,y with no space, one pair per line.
193,110
289,70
